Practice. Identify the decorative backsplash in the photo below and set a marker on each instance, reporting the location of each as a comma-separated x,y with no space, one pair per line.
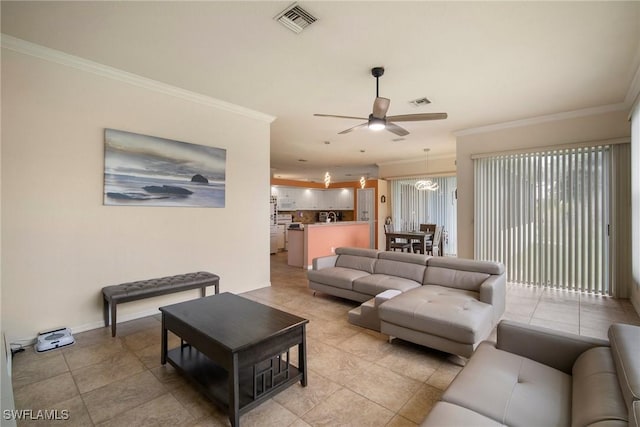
311,217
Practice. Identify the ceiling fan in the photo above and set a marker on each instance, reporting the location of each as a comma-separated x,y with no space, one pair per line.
378,119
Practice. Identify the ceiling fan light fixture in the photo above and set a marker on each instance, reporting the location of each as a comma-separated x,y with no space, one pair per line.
376,123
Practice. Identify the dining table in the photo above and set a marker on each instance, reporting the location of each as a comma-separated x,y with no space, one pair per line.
419,237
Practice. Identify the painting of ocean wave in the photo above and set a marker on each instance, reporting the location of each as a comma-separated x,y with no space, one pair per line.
142,170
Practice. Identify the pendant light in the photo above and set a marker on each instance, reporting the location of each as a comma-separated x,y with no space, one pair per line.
327,179
427,184
363,182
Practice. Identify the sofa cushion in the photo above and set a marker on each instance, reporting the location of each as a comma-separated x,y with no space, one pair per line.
471,265
511,389
459,279
377,283
365,252
596,394
405,270
450,313
338,277
445,414
405,257
356,262
625,348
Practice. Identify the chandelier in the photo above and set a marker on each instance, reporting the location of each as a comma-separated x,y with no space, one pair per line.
327,179
427,184
363,182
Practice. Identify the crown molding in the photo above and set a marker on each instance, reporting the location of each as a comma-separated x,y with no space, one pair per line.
418,158
622,106
58,57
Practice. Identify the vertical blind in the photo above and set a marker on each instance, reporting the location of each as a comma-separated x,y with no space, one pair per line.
545,215
412,207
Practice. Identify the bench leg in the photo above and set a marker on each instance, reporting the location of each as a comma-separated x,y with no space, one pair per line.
203,291
113,318
105,311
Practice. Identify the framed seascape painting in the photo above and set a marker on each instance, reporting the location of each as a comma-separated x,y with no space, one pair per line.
144,170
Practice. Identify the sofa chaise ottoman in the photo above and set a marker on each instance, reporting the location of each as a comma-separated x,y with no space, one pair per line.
450,304
536,376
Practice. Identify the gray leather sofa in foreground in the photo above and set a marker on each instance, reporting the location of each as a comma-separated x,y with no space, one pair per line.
450,304
535,376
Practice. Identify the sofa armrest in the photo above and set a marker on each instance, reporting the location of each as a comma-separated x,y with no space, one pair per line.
556,349
324,262
493,291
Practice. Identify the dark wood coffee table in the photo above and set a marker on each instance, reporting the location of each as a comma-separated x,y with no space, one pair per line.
236,351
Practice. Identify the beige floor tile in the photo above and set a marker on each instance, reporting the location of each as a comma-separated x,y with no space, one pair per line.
338,366
169,377
400,421
301,400
46,393
367,346
417,408
117,367
70,413
30,367
384,387
161,411
82,356
346,408
114,399
133,326
198,405
268,414
412,360
92,337
558,312
142,339
444,375
556,325
299,423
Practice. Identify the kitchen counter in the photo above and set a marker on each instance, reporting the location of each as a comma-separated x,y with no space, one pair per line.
321,239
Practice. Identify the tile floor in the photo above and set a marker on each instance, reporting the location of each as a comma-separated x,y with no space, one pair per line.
355,376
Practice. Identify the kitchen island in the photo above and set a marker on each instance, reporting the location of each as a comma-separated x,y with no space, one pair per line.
321,239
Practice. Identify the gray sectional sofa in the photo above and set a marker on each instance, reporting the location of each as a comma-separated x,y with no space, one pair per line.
450,304
535,376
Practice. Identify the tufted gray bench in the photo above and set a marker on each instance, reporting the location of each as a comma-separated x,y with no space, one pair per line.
133,291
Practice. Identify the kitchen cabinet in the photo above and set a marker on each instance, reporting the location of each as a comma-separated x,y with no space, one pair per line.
298,198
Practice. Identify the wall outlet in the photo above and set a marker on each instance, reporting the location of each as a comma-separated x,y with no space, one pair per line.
333,250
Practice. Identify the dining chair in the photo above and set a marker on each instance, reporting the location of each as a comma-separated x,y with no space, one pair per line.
436,247
429,229
394,243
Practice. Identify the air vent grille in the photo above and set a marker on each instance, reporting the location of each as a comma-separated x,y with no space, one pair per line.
295,18
420,101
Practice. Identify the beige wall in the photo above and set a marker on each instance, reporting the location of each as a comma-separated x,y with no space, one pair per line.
60,245
582,129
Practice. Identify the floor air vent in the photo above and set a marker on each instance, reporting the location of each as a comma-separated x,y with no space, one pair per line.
295,18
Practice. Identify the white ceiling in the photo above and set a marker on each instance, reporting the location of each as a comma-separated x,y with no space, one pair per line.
481,62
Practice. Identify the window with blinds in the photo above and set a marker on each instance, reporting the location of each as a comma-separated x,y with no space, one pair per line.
412,207
545,215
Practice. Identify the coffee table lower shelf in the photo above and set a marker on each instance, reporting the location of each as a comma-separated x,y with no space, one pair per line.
213,380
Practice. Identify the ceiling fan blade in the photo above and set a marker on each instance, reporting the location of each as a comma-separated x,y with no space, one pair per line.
418,117
394,128
340,117
362,125
380,107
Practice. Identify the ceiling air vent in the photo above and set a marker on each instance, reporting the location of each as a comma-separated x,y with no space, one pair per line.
420,102
295,18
